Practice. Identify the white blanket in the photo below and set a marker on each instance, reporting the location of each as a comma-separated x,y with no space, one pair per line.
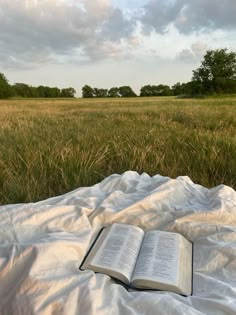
42,245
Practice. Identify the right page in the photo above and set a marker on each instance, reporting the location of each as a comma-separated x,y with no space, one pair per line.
164,263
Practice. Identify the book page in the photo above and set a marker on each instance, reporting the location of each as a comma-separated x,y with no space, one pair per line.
120,249
159,258
185,268
94,248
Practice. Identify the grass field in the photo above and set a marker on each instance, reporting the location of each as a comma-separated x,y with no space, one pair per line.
49,147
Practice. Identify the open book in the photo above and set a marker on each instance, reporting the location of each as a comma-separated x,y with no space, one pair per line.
152,260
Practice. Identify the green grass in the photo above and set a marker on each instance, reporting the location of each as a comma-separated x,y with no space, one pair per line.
49,147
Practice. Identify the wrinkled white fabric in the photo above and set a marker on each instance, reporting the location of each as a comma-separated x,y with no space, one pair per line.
42,245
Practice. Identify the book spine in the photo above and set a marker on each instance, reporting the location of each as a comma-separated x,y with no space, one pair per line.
91,247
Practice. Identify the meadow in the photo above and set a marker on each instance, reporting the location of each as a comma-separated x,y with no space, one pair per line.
50,147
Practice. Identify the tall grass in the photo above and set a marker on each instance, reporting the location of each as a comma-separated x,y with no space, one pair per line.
49,147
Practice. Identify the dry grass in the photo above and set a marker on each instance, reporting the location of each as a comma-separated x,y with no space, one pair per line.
49,147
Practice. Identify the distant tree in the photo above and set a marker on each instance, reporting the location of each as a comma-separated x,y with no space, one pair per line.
177,89
87,91
126,91
188,89
69,92
163,90
5,88
146,90
183,89
156,90
22,90
48,92
25,90
34,92
113,92
100,92
42,91
217,73
55,92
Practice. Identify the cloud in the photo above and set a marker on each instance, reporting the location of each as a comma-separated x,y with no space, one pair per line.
194,54
38,31
208,15
199,49
157,15
189,16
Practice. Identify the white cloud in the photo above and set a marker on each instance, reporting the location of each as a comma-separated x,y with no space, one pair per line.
33,31
130,42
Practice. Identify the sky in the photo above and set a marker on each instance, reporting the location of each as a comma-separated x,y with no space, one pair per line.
106,43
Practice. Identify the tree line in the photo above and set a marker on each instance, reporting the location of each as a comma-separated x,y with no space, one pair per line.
123,91
25,90
216,75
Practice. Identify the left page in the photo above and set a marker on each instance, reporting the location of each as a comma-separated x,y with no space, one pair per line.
117,254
